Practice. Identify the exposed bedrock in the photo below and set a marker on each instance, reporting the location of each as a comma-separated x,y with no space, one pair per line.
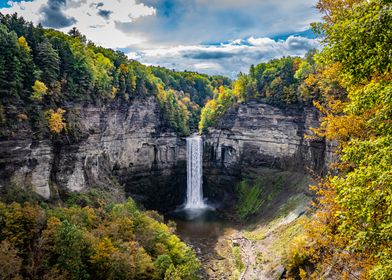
129,142
260,135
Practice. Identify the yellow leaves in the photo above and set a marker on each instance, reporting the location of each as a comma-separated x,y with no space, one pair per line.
216,107
114,92
343,127
107,243
20,224
335,125
102,253
22,117
23,44
39,91
56,120
302,274
298,252
332,9
311,80
239,88
123,68
206,117
186,100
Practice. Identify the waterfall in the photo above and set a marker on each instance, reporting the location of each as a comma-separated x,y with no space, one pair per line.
194,149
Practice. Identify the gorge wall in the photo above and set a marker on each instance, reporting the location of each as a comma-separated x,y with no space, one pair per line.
260,135
128,142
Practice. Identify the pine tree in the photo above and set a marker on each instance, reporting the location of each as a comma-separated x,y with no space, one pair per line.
48,61
10,66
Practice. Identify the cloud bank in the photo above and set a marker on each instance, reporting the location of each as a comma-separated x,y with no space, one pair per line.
199,35
95,19
229,58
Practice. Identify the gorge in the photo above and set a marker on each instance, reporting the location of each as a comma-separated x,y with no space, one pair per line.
133,145
114,169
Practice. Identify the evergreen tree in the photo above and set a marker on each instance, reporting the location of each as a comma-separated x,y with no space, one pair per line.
48,61
10,66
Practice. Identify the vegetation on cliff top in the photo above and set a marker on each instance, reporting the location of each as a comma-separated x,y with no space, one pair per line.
43,70
280,82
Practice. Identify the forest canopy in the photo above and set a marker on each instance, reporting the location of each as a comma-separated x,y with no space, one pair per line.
47,69
103,241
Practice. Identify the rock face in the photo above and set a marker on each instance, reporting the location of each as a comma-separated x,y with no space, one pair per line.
260,135
129,142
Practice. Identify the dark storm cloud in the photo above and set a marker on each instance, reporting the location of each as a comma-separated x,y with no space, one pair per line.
53,16
104,13
208,55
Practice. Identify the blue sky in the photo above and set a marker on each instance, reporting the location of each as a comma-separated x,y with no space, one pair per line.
210,36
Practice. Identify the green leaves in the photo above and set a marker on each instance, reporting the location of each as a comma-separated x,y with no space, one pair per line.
355,205
361,39
116,241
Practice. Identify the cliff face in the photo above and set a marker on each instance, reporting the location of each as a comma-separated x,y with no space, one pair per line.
261,135
128,142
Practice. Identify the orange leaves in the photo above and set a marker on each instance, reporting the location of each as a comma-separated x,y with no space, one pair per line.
311,80
343,127
337,126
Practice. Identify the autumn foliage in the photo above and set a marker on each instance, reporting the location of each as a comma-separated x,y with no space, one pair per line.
56,121
350,234
115,241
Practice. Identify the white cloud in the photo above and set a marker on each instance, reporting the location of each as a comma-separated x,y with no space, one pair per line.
89,18
228,59
171,32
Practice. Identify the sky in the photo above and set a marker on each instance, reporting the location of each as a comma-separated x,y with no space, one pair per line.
210,36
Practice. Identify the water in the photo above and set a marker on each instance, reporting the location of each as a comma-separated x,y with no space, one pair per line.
194,148
198,224
195,225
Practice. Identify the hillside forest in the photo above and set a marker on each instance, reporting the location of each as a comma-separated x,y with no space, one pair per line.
45,73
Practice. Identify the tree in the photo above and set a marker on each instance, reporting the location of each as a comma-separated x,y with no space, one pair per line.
48,61
56,120
239,87
10,262
29,71
353,221
70,245
39,91
10,67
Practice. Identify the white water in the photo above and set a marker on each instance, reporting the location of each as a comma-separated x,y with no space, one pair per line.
194,149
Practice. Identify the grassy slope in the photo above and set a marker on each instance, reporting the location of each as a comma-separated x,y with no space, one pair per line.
262,241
